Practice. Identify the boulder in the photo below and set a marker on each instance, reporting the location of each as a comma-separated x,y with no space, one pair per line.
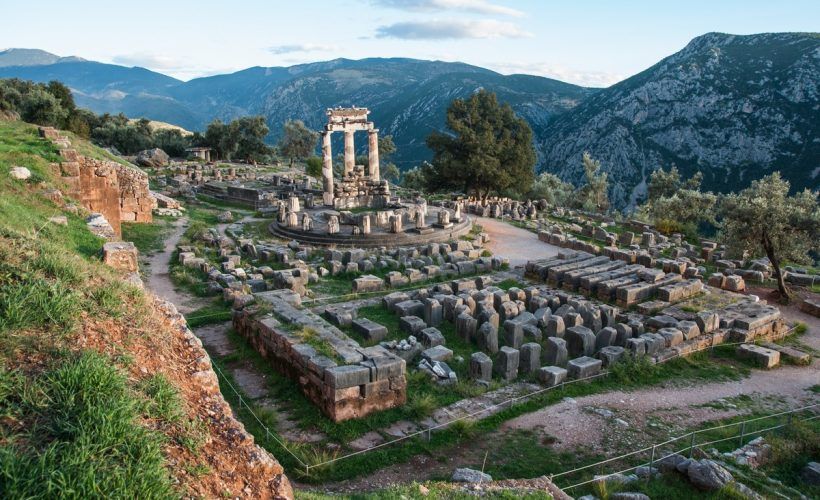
19,173
708,475
465,475
152,158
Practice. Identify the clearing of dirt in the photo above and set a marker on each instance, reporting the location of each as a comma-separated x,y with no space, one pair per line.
516,244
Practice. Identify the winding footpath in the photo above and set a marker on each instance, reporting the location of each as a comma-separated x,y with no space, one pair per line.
516,244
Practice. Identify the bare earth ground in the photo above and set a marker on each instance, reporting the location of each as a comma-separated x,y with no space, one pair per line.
514,243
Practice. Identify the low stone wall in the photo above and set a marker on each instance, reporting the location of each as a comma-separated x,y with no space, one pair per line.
359,381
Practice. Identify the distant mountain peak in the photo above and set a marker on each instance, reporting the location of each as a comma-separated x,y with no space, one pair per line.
32,57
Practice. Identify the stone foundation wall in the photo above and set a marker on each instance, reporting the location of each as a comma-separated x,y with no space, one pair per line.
358,382
118,192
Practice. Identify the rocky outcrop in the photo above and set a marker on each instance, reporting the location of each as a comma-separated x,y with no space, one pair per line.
733,107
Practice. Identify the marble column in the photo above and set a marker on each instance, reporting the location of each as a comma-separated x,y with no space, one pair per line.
373,153
350,152
327,169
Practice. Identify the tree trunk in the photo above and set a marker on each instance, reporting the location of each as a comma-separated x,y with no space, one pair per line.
778,274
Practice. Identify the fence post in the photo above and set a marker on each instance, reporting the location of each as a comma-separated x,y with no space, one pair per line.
692,444
742,432
651,463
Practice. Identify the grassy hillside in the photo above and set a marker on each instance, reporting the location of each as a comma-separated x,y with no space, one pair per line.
96,390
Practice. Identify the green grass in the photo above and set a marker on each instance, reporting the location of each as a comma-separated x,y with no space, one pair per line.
83,439
215,312
148,238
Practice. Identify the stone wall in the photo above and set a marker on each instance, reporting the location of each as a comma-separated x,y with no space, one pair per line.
118,192
356,382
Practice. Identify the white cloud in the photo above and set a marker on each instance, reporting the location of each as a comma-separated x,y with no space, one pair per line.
473,6
570,75
301,47
148,60
450,29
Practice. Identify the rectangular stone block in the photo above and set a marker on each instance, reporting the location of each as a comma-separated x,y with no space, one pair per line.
551,376
761,356
412,324
481,367
342,377
507,363
583,367
370,330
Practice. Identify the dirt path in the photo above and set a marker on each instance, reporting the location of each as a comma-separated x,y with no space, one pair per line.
514,243
159,279
579,422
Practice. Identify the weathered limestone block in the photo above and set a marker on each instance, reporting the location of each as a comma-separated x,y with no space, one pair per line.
622,334
437,353
506,363
583,367
412,324
431,337
370,330
610,355
555,352
513,334
672,336
368,283
580,341
654,343
762,356
690,329
466,326
121,255
606,337
481,367
530,357
636,346
409,308
342,377
555,327
487,338
433,312
551,376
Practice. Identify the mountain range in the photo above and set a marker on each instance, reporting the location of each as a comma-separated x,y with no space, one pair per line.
734,107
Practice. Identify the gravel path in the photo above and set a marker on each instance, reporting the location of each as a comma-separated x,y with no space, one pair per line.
159,279
514,243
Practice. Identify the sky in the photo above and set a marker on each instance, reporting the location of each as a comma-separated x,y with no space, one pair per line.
586,42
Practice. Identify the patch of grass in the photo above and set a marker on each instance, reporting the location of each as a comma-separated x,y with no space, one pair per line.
800,328
148,238
86,436
311,337
215,312
509,283
421,406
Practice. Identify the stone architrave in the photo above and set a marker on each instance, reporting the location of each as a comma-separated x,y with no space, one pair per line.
333,225
373,153
366,224
307,223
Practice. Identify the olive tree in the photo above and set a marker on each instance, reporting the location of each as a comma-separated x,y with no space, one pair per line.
764,219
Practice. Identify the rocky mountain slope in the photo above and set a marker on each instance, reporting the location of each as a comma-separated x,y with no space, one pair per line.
734,107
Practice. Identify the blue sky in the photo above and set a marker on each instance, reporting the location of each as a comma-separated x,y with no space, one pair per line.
587,42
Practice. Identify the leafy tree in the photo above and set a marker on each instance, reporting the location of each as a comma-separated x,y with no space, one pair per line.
666,184
417,178
218,136
313,167
549,187
490,148
683,211
171,141
386,147
249,133
592,196
42,108
391,172
62,93
297,141
763,218
81,122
